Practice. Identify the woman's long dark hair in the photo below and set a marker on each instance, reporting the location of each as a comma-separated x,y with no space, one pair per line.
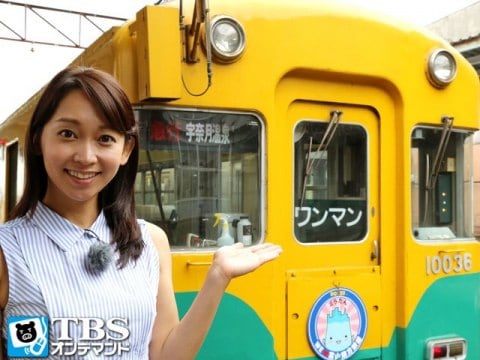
117,199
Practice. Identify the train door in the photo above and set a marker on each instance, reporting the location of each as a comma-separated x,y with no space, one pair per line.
333,279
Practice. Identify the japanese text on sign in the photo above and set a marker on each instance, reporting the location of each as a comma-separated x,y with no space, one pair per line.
208,133
307,215
199,132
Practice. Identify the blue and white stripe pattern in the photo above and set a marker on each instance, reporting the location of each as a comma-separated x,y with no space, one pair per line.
45,255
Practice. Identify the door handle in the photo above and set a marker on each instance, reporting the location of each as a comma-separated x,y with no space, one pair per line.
374,253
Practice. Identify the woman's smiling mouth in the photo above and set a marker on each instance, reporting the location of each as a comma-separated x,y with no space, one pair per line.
82,175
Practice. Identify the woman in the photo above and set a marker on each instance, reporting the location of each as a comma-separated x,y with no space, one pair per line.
74,251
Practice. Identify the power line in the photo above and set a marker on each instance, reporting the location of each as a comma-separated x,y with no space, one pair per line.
19,32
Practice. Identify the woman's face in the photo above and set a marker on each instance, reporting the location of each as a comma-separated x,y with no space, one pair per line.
80,152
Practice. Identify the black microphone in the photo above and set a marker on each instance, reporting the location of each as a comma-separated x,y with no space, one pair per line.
99,257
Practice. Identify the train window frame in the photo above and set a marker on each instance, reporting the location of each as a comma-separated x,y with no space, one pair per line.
443,211
12,176
362,196
194,243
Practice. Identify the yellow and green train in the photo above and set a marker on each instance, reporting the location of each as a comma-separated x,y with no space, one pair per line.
344,137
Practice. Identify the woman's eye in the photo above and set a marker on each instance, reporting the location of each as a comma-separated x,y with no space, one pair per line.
67,134
106,139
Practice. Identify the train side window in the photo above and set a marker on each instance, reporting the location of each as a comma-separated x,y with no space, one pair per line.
330,183
441,183
194,165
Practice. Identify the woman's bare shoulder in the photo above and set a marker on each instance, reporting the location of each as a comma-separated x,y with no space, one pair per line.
158,236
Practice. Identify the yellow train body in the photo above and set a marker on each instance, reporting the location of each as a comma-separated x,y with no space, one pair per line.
304,61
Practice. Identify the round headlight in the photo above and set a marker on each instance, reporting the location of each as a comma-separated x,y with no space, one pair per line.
227,38
442,68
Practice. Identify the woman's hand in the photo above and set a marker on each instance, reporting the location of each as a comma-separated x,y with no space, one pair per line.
170,334
236,260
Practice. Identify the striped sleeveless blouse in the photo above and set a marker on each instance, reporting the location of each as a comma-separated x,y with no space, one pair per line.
45,255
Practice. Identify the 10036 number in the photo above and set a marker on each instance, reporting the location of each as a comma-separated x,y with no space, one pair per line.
448,263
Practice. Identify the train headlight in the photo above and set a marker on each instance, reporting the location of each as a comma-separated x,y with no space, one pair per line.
442,68
227,38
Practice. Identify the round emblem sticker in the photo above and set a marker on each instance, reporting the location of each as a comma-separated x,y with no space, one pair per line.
337,324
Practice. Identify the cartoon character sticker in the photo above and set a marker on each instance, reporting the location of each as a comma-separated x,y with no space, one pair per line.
337,324
27,336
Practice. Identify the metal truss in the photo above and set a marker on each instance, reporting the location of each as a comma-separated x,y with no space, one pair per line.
46,15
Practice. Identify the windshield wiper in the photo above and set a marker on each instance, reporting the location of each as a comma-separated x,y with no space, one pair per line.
323,146
442,147
437,162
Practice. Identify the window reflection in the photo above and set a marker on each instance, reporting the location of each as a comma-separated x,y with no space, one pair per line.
194,165
330,200
442,207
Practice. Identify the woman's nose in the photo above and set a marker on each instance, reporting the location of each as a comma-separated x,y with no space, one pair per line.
85,153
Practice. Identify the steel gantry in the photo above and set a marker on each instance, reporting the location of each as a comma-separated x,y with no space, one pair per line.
20,32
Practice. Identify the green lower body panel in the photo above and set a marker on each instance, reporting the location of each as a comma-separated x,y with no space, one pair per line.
449,308
237,331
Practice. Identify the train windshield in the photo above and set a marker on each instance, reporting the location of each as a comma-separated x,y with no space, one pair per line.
330,182
197,167
441,184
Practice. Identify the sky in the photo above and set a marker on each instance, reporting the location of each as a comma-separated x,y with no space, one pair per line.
26,67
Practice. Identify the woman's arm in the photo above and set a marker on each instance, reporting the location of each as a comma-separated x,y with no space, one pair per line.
1,341
3,294
174,339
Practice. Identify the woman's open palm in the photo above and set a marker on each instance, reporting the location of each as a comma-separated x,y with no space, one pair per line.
236,260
